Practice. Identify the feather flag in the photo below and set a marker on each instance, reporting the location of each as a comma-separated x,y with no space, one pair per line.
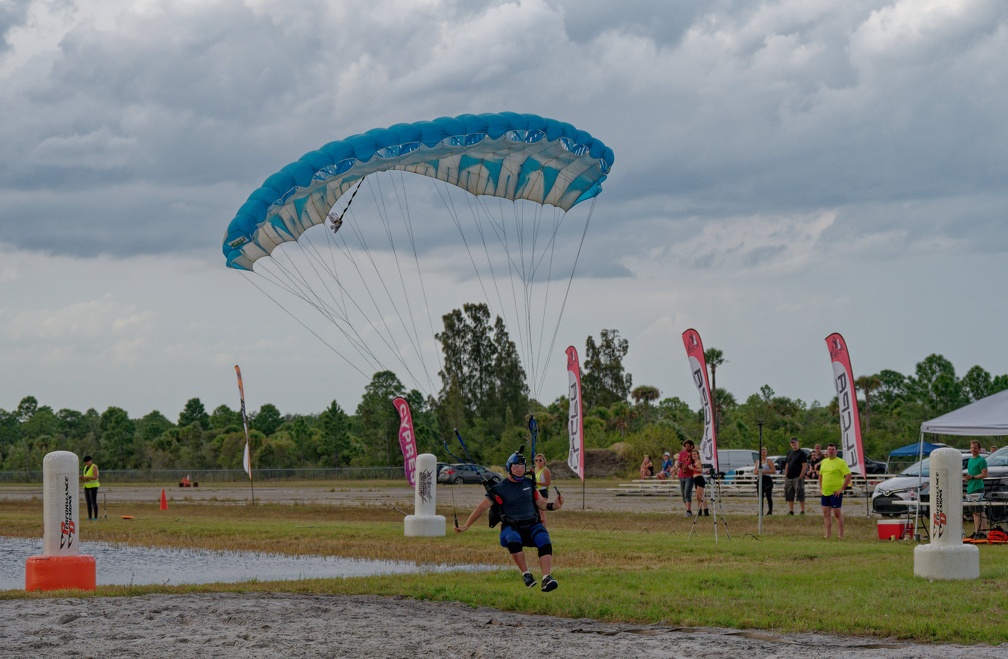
698,367
407,439
246,457
575,416
850,423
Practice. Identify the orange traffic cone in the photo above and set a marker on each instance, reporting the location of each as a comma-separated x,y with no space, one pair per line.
164,501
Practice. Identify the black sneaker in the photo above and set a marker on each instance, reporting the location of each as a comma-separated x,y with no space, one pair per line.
689,513
549,583
706,513
980,535
791,512
530,580
802,512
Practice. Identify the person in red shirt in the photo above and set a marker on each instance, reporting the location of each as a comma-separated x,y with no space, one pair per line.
685,474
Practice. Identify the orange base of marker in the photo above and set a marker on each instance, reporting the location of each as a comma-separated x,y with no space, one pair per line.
60,572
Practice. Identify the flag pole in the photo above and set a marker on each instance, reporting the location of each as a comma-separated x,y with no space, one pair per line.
247,455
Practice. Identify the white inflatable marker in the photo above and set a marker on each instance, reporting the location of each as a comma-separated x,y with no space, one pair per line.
946,557
61,564
425,521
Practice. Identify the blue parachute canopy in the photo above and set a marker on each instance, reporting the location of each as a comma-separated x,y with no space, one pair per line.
509,155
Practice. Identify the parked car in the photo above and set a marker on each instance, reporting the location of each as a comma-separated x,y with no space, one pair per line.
904,486
874,466
460,473
729,460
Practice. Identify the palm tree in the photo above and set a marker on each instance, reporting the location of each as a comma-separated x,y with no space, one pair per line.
867,384
714,358
643,395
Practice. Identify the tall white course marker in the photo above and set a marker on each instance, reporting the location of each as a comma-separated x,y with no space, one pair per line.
946,557
425,521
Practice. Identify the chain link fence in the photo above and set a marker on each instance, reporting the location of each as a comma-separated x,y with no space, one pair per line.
225,475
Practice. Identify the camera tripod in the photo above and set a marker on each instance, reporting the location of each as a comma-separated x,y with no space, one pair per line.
713,494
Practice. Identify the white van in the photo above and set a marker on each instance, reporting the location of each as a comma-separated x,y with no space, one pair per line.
731,459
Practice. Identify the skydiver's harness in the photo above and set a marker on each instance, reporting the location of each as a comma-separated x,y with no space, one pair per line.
497,514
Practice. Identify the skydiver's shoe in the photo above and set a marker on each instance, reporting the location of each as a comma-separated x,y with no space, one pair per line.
530,580
549,583
706,512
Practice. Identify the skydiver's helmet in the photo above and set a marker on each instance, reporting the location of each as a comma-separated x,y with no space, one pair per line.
515,459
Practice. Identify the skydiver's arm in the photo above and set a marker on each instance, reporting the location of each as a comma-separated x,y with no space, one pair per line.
483,506
543,504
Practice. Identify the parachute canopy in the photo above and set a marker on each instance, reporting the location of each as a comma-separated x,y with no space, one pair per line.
509,155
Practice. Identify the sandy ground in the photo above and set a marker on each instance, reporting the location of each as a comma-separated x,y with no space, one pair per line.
281,625
271,625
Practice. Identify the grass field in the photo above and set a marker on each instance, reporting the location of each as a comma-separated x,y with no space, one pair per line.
613,566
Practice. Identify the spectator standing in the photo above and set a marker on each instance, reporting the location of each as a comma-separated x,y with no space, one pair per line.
795,470
765,470
699,483
684,462
543,479
976,472
813,462
834,477
91,485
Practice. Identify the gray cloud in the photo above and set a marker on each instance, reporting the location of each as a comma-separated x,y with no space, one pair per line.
757,144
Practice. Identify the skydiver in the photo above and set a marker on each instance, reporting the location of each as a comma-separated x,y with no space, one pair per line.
519,504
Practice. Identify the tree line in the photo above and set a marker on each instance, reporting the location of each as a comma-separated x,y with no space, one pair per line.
484,393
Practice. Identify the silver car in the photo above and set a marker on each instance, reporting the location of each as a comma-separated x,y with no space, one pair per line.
913,484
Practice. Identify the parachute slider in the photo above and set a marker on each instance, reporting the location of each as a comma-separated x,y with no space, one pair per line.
336,221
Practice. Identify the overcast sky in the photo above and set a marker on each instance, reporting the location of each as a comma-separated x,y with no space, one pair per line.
783,170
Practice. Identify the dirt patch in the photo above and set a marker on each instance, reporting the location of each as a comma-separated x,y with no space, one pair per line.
599,463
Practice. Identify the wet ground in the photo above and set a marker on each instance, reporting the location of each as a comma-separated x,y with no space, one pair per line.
120,564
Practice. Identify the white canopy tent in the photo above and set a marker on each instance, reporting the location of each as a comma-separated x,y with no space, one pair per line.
987,416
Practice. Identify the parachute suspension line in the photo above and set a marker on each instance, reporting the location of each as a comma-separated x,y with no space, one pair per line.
389,340
348,328
549,275
408,221
310,330
285,279
577,257
414,336
523,321
500,229
449,203
502,234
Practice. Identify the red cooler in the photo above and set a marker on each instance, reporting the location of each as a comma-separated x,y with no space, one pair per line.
895,529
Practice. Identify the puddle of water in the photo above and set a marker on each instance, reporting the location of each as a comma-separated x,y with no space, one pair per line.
119,564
